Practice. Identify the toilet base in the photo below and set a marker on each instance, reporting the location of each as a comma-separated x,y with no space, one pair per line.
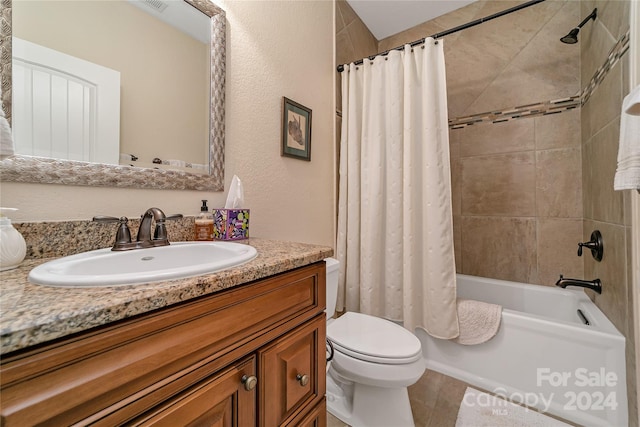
361,405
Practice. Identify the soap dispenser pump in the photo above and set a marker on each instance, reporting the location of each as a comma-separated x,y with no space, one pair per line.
204,223
13,248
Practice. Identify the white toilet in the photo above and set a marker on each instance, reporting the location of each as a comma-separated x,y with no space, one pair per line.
374,362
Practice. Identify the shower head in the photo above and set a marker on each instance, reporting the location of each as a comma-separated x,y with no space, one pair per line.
572,37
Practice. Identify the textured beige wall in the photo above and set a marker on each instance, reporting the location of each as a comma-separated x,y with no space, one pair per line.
164,79
274,49
282,48
605,209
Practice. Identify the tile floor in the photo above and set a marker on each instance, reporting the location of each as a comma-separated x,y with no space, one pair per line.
435,400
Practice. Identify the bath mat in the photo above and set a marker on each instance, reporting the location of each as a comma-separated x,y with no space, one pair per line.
479,321
479,409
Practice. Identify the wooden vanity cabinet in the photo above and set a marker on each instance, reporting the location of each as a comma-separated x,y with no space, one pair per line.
221,400
317,417
252,355
292,376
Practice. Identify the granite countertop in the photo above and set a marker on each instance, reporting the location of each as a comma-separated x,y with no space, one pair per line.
32,314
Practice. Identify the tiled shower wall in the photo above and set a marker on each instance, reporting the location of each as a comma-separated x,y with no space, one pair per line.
605,209
353,41
517,192
517,189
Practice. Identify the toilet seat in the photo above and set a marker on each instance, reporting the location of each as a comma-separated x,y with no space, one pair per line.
373,339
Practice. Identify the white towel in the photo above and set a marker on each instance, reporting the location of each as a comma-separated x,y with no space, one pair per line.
479,321
628,172
6,141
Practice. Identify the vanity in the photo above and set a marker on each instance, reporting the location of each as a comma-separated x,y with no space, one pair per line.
244,347
241,347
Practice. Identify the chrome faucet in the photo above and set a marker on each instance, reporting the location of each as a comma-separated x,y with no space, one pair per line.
595,285
143,240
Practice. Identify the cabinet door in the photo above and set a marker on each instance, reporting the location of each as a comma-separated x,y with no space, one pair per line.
292,373
317,417
226,399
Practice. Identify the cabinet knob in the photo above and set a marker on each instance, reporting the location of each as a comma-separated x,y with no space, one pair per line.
249,382
302,379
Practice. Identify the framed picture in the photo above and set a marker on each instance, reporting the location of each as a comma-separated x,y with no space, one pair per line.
296,130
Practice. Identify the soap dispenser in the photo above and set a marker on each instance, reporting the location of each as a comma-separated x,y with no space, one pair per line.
204,223
13,248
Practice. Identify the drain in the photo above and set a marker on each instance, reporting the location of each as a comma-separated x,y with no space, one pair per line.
147,258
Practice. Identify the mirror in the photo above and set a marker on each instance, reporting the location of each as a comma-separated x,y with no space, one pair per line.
28,168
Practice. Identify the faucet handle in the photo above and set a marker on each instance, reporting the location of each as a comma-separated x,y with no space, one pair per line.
595,245
160,232
123,235
102,218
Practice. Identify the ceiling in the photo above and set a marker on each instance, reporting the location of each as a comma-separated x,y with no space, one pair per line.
179,15
385,18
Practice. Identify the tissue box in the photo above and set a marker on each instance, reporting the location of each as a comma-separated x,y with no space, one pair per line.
230,224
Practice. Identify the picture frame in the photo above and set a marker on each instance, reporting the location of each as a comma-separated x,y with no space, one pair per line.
296,130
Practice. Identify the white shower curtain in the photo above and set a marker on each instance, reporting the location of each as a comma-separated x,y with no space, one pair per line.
395,231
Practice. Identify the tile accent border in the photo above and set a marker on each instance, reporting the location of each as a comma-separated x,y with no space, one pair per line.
524,111
617,51
544,108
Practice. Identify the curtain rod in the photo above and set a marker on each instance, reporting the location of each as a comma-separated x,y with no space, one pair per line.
452,30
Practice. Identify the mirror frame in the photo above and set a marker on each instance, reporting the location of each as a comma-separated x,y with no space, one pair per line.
44,170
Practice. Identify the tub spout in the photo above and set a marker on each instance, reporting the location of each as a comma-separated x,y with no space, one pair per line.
594,285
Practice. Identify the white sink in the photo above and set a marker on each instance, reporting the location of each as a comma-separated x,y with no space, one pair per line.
105,267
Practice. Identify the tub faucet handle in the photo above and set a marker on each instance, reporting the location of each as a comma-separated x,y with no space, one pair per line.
595,245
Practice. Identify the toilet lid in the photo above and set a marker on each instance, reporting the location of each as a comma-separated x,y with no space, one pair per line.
373,339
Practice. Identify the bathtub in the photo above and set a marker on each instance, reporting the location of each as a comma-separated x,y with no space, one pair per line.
544,354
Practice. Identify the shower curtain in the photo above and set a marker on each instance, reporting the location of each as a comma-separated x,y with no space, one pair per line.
395,227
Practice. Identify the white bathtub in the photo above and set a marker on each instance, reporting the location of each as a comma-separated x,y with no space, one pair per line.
543,355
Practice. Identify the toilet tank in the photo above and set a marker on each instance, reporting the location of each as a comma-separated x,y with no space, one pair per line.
333,266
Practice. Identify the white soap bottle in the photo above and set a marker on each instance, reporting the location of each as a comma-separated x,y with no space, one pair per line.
13,248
